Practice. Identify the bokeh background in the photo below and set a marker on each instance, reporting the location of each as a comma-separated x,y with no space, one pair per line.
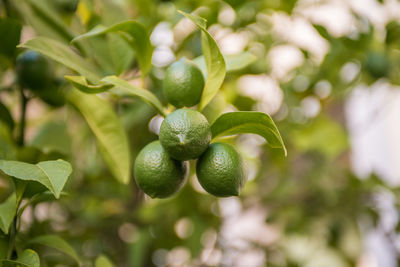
327,71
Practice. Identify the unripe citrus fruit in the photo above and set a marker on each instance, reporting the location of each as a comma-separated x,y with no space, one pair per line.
156,173
183,83
220,170
185,134
33,70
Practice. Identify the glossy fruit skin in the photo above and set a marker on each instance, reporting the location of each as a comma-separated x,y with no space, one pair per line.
183,83
33,70
220,170
156,173
185,134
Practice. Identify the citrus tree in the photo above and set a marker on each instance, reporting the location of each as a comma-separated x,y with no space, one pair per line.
129,133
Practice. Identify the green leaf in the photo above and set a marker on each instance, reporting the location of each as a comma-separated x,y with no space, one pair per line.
134,33
53,136
12,30
5,116
64,55
248,122
233,62
3,247
52,174
28,258
43,18
56,242
80,82
8,210
103,261
123,87
215,62
107,128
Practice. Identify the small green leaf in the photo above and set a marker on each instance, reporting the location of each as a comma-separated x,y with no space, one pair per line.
107,128
248,122
215,62
233,62
103,261
52,174
8,210
123,87
80,82
56,242
134,33
64,55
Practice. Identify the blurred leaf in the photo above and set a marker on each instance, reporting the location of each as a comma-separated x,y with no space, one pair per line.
103,261
80,82
324,135
7,145
44,19
28,258
108,130
233,62
215,62
64,55
53,137
3,248
5,116
248,122
322,31
10,29
120,52
128,89
56,242
393,33
8,210
134,33
52,174
138,250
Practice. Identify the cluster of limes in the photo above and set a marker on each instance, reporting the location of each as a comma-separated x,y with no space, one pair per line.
161,167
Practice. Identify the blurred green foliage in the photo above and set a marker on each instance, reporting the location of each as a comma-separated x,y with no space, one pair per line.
311,198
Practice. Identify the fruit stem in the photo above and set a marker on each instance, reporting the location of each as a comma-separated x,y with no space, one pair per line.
24,102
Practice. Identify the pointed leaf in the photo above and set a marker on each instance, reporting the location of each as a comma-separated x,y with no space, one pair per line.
215,62
103,261
134,33
123,87
8,210
248,122
56,242
80,82
29,258
52,174
233,62
64,55
108,130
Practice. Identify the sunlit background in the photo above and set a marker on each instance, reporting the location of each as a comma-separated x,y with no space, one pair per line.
328,72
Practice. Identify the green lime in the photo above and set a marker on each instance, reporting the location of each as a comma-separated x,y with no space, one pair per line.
33,70
183,83
185,134
220,170
156,173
